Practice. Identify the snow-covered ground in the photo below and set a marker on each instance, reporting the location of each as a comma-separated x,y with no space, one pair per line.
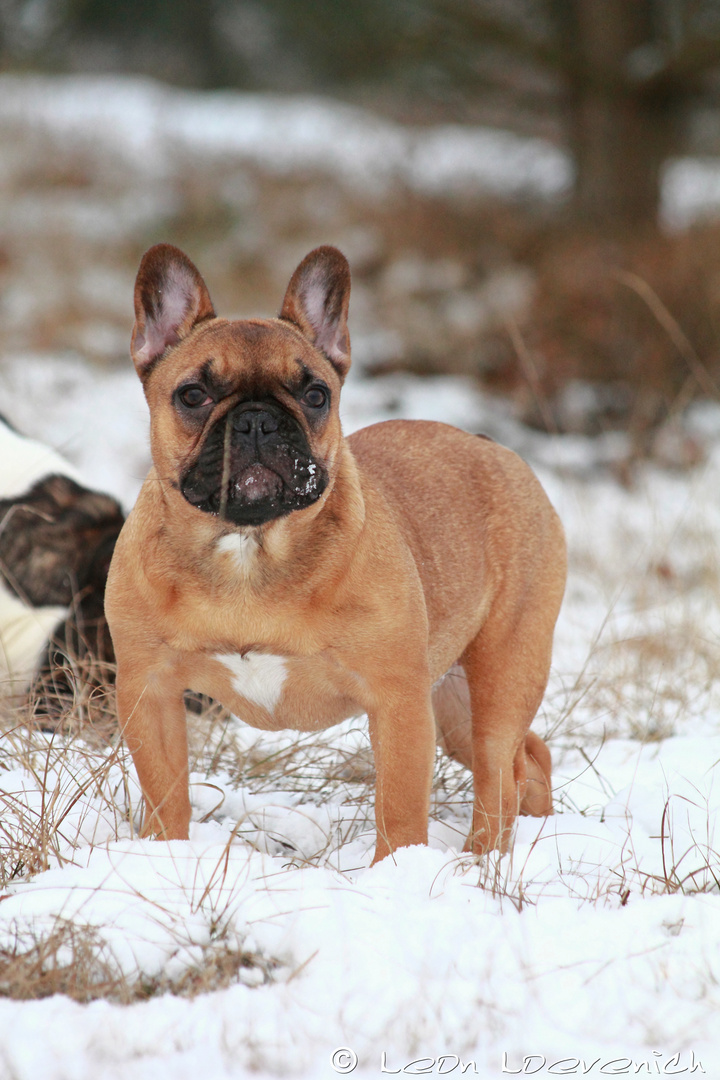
155,126
597,939
592,948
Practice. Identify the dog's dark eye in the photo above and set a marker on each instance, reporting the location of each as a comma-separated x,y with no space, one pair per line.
193,396
315,397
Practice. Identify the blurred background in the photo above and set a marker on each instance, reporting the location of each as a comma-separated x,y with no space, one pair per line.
528,190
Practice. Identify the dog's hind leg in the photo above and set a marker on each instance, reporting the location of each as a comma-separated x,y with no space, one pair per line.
537,800
453,721
451,708
507,667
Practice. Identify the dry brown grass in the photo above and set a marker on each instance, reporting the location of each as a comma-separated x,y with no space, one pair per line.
636,684
72,959
70,776
439,281
640,312
641,687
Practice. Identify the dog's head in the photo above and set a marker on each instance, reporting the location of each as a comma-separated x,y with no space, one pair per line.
56,542
244,414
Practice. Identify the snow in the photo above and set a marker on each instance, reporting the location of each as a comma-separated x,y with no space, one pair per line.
154,125
596,940
690,190
598,937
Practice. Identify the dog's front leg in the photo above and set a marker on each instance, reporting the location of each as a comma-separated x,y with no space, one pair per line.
402,733
151,712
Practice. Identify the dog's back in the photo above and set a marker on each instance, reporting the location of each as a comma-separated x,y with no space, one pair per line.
446,484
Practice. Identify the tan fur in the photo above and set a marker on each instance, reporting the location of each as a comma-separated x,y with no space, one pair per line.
429,548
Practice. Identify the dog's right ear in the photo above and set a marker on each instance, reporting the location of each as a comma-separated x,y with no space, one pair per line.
317,301
170,299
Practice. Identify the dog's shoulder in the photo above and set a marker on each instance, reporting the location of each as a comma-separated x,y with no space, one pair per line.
390,443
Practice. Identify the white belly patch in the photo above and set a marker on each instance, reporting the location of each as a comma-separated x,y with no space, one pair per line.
259,677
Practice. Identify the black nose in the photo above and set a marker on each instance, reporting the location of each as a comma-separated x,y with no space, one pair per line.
254,422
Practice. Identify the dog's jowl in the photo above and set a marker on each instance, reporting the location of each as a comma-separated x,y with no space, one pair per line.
301,578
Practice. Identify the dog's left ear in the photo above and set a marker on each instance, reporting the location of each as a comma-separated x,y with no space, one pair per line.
317,300
170,299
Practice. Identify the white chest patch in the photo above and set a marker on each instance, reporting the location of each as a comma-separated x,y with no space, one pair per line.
259,677
240,547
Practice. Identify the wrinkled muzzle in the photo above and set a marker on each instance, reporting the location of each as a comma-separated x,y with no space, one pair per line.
254,466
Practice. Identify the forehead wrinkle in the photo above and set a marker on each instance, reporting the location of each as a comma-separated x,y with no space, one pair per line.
251,337
256,335
296,332
264,332
307,375
253,331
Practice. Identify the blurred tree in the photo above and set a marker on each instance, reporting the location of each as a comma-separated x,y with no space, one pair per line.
255,44
623,75
618,81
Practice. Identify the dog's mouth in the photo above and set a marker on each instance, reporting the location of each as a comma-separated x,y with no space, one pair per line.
258,482
254,466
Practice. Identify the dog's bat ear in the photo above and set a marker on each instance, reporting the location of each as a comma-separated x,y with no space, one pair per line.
170,299
317,300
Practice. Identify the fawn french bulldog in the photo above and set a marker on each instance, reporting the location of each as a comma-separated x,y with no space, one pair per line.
301,578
